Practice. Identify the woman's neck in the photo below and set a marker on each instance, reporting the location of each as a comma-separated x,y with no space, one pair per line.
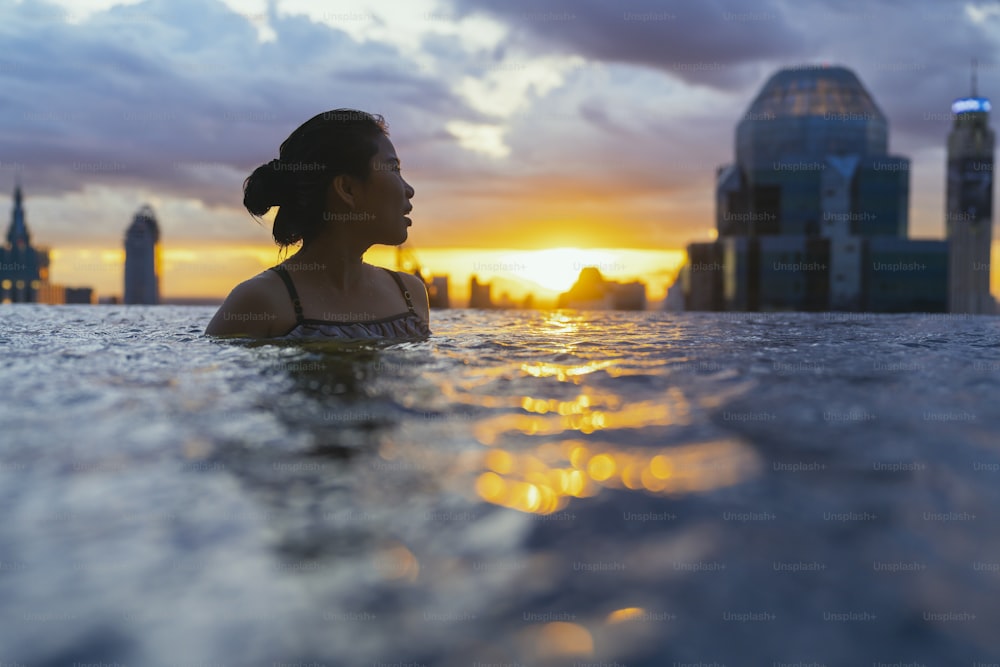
335,265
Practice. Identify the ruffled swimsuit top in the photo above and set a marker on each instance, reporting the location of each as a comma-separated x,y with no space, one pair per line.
404,325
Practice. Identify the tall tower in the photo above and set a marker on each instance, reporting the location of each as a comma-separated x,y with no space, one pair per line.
142,259
21,264
969,209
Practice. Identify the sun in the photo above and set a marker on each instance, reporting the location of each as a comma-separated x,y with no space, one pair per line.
556,269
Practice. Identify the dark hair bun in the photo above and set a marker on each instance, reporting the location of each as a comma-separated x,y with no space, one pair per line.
269,185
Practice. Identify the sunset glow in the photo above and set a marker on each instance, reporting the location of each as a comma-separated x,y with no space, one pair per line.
211,272
558,268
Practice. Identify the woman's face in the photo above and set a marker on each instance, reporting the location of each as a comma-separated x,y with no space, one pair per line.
382,202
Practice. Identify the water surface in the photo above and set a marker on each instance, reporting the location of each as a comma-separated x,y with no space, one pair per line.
521,488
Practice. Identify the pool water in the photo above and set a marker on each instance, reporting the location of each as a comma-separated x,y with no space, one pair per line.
522,488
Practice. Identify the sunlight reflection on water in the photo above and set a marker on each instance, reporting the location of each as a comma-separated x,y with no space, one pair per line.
521,487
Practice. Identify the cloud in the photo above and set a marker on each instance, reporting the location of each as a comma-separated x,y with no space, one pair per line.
512,117
148,98
107,90
713,43
730,49
914,87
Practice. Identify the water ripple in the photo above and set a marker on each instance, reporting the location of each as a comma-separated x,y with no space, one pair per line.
522,487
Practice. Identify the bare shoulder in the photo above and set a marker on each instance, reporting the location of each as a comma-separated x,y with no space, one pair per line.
259,307
418,293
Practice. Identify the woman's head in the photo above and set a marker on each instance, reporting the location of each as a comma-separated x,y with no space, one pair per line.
342,141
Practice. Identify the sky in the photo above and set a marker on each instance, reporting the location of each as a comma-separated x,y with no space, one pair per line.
522,124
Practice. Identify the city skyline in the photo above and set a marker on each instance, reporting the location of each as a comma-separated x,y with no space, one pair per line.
506,117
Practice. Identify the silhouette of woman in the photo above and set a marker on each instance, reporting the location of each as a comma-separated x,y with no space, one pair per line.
338,188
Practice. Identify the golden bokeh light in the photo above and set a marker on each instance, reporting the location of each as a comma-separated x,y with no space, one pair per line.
626,614
601,467
564,372
499,461
542,478
542,453
542,484
396,562
561,638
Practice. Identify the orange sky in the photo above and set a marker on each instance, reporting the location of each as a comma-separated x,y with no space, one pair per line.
213,271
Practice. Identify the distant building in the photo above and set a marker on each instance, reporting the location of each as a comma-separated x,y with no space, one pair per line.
142,259
78,295
57,295
904,275
969,216
504,302
592,292
701,277
23,268
674,299
479,294
813,209
52,295
437,292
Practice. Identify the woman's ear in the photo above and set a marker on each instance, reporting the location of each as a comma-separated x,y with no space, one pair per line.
341,190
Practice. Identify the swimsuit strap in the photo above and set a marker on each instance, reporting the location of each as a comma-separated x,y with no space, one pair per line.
402,288
287,279
299,318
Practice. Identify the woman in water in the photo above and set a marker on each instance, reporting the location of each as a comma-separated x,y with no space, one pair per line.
338,188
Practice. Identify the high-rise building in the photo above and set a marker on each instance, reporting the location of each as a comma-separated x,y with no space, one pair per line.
23,268
479,294
142,259
437,292
969,208
805,213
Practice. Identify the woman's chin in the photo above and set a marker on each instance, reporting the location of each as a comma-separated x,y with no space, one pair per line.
399,240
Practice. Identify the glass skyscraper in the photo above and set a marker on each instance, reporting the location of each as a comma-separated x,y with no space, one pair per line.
142,259
969,214
812,187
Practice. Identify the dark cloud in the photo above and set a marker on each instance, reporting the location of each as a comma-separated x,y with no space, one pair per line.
914,58
713,42
734,46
